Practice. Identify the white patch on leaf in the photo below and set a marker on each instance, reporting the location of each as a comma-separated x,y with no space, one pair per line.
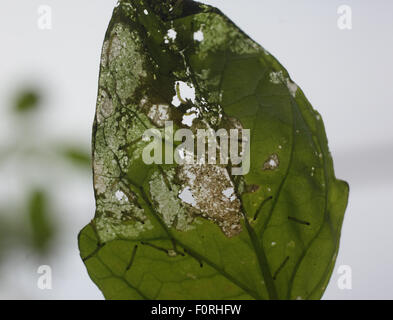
159,113
172,34
278,78
186,196
199,36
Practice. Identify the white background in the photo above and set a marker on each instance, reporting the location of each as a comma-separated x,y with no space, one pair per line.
346,74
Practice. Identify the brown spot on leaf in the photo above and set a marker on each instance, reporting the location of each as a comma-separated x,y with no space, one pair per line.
251,188
271,163
213,195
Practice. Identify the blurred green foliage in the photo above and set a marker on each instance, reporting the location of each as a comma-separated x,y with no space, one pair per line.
76,156
40,220
27,101
29,223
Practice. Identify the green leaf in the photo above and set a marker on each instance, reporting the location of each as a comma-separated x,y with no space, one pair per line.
76,155
277,238
27,101
40,221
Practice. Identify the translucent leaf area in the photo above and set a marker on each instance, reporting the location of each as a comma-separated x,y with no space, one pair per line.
181,231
